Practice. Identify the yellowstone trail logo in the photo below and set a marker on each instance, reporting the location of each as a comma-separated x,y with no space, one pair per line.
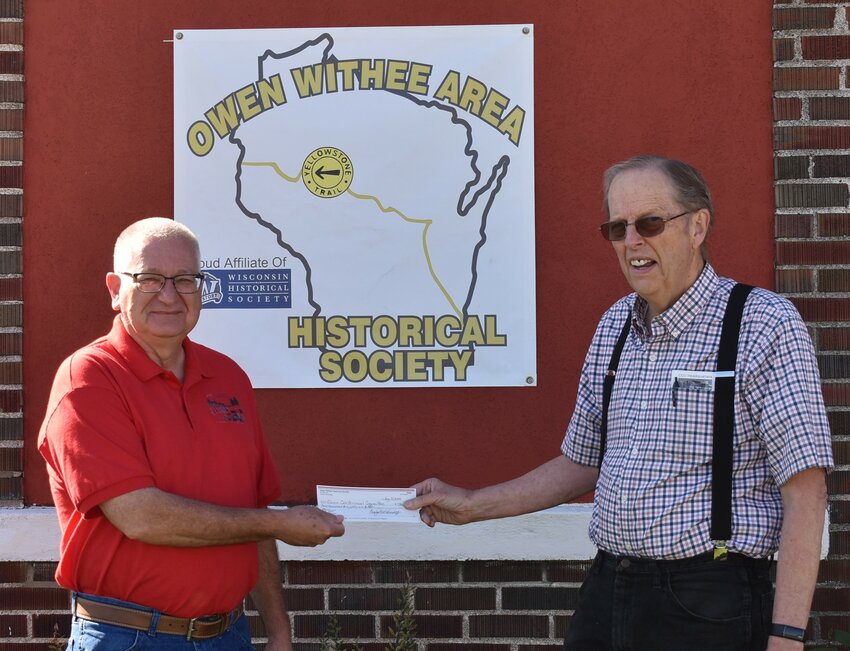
327,172
389,174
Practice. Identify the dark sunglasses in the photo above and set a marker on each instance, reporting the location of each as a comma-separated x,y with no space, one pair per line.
645,226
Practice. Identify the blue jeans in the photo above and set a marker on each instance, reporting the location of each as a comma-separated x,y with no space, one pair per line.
94,636
644,605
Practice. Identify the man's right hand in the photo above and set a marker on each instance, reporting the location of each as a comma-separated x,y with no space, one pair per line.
441,502
308,526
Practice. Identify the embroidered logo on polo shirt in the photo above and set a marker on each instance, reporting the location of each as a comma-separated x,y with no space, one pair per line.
224,409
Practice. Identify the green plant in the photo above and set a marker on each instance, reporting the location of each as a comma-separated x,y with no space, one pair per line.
332,637
56,644
403,630
404,626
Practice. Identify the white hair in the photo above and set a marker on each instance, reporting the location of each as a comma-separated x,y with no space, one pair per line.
138,234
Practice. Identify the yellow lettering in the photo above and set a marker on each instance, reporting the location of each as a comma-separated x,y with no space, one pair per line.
418,80
409,331
308,80
447,328
338,331
347,68
472,332
512,124
493,337
384,331
223,116
355,366
200,138
330,370
380,366
249,107
460,361
449,88
360,324
372,73
439,359
271,92
330,77
494,107
416,370
396,75
300,332
473,95
428,327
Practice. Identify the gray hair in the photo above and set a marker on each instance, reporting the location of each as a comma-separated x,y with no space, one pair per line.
689,185
140,233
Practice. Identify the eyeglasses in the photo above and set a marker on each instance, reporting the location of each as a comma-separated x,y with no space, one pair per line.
152,283
645,226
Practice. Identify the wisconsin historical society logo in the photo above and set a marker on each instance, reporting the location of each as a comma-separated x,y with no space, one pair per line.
246,288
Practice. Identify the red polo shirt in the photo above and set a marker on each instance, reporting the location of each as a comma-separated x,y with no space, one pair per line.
117,422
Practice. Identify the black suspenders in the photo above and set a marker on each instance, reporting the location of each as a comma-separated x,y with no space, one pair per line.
724,414
608,385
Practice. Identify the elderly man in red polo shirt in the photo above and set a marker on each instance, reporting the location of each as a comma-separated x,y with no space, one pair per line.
160,472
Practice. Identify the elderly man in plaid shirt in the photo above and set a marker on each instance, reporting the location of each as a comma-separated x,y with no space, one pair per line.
663,580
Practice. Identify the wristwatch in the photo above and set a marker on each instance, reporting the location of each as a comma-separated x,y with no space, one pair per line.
788,632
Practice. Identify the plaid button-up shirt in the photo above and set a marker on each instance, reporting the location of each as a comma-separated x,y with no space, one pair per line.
653,496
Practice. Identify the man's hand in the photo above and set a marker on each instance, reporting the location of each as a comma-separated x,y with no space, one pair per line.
556,481
440,502
308,526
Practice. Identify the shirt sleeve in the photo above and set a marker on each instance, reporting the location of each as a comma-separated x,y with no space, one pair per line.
582,440
783,393
90,441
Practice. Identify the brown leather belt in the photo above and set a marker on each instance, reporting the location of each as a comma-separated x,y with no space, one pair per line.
197,628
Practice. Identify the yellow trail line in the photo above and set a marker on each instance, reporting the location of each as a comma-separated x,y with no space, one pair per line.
384,209
278,171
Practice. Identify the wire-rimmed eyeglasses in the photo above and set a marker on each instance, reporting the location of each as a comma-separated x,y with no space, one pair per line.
649,226
150,283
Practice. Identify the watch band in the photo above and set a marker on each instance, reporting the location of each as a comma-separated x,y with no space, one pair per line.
788,632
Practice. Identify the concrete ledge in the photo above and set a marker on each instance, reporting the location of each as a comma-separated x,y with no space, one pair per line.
32,534
558,533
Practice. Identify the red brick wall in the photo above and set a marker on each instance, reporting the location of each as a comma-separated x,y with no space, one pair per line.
11,293
811,48
475,605
513,605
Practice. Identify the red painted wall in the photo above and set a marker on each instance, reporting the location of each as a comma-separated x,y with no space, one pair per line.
612,78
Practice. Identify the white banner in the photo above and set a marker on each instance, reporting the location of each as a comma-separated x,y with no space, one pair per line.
364,198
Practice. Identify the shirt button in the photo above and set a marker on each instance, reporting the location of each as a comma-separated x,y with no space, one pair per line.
653,357
644,405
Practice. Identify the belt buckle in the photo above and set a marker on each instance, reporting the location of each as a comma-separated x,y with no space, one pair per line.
191,630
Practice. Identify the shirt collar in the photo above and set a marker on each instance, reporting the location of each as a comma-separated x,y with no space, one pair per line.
142,366
676,318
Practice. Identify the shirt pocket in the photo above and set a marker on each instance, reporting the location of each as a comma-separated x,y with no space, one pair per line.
691,424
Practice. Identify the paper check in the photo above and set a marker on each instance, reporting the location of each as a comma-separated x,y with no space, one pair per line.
367,504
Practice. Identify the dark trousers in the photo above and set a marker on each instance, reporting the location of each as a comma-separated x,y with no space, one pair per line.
629,604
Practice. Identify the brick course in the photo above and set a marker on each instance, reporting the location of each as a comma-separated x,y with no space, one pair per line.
11,291
813,251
